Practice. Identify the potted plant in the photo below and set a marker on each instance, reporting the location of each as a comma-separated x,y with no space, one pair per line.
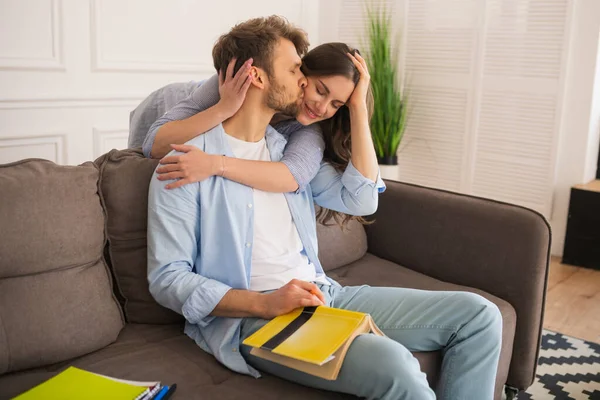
389,116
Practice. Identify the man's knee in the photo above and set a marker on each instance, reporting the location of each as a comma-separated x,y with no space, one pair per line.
389,370
487,313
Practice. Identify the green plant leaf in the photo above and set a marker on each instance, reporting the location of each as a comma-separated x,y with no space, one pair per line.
390,109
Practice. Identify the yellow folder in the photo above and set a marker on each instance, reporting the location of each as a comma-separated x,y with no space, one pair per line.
311,339
77,384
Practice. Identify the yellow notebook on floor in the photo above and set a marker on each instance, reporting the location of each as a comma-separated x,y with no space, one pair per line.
76,384
313,340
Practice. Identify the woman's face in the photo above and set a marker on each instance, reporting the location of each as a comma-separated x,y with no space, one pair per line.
323,96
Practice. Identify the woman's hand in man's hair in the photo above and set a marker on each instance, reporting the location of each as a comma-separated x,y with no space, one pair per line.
233,89
359,95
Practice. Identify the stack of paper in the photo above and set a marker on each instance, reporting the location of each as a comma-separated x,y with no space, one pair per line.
77,384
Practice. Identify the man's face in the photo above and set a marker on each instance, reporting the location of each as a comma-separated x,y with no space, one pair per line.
287,81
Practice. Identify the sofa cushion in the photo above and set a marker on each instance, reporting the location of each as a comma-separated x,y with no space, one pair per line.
124,179
340,246
163,353
56,298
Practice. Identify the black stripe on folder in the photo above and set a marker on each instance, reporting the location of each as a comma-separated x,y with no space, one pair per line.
289,330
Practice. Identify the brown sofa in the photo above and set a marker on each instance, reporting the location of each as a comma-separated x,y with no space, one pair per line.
73,287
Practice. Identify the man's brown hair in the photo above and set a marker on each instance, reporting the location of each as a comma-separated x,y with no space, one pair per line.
256,38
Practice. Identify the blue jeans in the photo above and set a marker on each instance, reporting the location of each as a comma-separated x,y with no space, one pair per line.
466,327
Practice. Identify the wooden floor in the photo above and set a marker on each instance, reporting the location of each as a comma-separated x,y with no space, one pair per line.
573,301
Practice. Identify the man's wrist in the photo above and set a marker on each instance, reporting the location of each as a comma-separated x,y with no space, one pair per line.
258,305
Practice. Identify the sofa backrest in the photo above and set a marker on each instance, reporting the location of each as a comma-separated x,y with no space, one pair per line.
56,295
339,247
125,177
124,180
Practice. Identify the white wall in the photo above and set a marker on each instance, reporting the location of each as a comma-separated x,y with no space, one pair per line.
72,70
594,137
579,133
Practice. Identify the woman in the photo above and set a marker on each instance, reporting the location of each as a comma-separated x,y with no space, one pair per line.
336,97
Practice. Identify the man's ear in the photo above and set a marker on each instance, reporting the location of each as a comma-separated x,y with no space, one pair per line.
258,77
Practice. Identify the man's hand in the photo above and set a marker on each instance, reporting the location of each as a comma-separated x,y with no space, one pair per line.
294,294
193,166
233,89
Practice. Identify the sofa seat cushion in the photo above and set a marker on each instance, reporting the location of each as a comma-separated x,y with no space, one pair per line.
374,271
56,297
164,353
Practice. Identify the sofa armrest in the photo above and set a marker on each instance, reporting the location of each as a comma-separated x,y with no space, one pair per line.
500,248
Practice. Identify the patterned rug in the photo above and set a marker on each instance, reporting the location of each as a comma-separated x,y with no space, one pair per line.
568,369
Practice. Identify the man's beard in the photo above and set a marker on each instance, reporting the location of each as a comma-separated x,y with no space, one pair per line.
275,100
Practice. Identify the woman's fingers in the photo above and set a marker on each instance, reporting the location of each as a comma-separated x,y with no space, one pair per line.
183,148
170,160
230,69
360,63
178,183
170,175
221,80
246,85
361,59
358,60
364,64
167,168
355,62
242,74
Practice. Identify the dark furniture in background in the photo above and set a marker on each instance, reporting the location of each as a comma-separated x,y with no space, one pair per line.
582,241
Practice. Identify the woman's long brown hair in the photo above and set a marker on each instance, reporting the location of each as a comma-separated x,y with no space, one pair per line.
326,60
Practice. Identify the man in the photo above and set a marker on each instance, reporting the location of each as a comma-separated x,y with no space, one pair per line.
228,257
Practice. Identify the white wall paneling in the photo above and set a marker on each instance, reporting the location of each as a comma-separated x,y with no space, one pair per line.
41,103
49,147
310,21
440,49
108,139
125,39
34,42
519,117
80,66
431,152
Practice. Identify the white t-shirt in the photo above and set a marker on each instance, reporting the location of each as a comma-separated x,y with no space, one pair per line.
277,253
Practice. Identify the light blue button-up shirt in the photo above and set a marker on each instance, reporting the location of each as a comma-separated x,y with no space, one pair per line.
200,239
